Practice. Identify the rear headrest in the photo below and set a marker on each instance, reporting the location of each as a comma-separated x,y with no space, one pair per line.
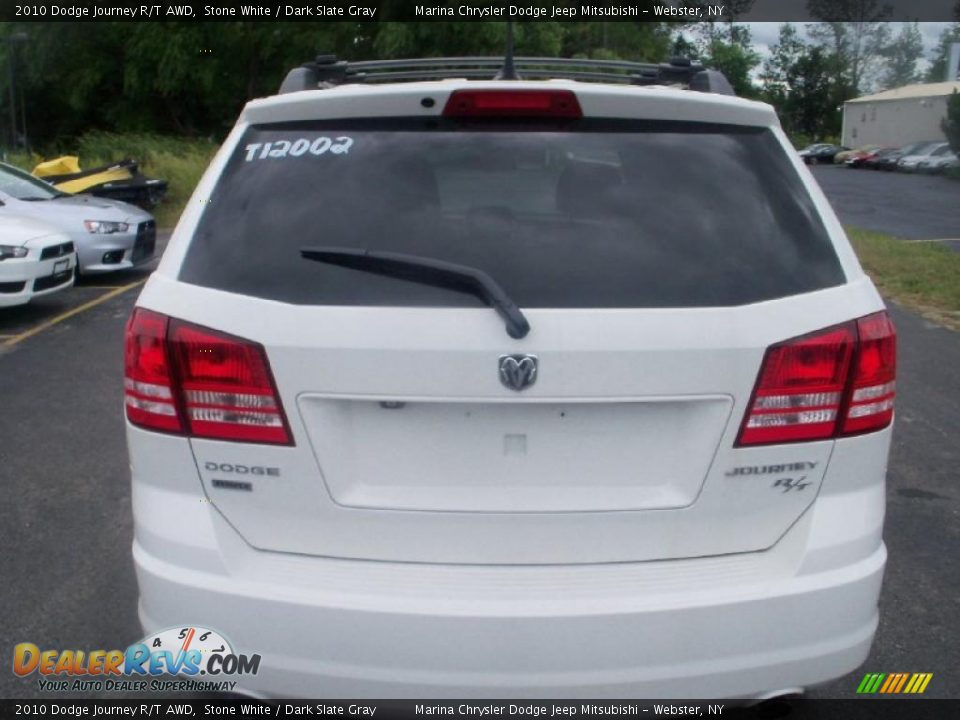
585,188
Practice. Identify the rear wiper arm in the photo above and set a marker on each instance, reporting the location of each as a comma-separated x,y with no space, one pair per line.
427,271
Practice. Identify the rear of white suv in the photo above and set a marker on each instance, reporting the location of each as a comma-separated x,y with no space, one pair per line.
512,389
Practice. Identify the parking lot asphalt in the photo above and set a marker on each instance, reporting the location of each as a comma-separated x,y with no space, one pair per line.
905,205
66,568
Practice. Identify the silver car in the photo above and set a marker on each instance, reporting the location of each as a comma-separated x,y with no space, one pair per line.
109,235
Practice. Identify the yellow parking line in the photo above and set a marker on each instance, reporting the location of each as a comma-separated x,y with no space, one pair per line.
70,313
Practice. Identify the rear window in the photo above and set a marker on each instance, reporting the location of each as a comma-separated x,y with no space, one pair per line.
600,214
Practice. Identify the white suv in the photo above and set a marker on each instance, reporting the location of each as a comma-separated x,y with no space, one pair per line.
512,388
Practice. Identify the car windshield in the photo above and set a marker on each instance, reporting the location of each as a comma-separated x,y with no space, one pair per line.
613,214
917,148
23,186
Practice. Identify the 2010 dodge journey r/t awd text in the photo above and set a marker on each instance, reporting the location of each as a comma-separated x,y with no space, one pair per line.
512,388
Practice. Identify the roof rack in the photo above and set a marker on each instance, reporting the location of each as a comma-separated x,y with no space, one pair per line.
327,71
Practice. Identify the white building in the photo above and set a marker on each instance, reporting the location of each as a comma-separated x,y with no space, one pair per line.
899,116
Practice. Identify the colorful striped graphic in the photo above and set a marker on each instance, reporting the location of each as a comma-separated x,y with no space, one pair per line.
894,683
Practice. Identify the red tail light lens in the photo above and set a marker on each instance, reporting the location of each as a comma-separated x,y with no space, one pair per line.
218,386
513,103
148,387
874,376
226,386
834,382
800,388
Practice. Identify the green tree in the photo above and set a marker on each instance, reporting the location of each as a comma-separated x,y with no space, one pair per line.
951,123
638,41
450,38
854,33
811,105
727,47
193,78
779,63
940,55
901,57
173,77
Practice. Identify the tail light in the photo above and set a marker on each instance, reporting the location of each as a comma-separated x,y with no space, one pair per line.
874,376
835,382
513,103
185,379
148,387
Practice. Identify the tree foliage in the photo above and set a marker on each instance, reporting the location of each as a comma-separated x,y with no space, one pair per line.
811,106
802,83
902,56
172,77
728,47
855,34
193,78
779,64
940,55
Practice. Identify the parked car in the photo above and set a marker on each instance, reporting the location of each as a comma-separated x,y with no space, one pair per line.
889,161
821,153
523,401
109,235
36,259
875,160
860,158
938,160
844,155
911,162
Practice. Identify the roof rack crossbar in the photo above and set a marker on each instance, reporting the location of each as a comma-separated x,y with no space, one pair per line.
495,62
327,71
482,73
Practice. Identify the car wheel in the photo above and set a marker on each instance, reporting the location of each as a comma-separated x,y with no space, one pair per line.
814,161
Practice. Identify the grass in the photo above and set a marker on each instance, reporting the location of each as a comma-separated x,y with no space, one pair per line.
924,276
179,161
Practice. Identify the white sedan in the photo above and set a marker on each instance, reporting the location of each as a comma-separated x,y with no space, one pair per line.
35,259
916,160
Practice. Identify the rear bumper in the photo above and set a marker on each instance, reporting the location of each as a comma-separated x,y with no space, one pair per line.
792,634
738,626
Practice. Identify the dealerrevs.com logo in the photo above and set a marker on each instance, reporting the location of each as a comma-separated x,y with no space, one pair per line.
202,659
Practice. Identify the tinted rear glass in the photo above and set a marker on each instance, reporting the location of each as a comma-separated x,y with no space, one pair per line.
601,214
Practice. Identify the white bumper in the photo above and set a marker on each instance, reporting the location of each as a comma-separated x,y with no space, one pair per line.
22,279
801,613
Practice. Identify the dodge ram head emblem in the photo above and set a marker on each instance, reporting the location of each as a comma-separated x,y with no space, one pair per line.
518,372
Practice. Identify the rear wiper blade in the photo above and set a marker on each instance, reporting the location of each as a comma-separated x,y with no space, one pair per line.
427,271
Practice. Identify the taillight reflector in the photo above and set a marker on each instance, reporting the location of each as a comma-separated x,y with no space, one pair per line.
834,382
512,103
216,385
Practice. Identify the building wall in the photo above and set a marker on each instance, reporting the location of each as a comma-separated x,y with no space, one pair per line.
891,123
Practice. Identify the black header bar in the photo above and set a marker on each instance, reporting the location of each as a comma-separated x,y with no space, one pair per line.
440,10
214,707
